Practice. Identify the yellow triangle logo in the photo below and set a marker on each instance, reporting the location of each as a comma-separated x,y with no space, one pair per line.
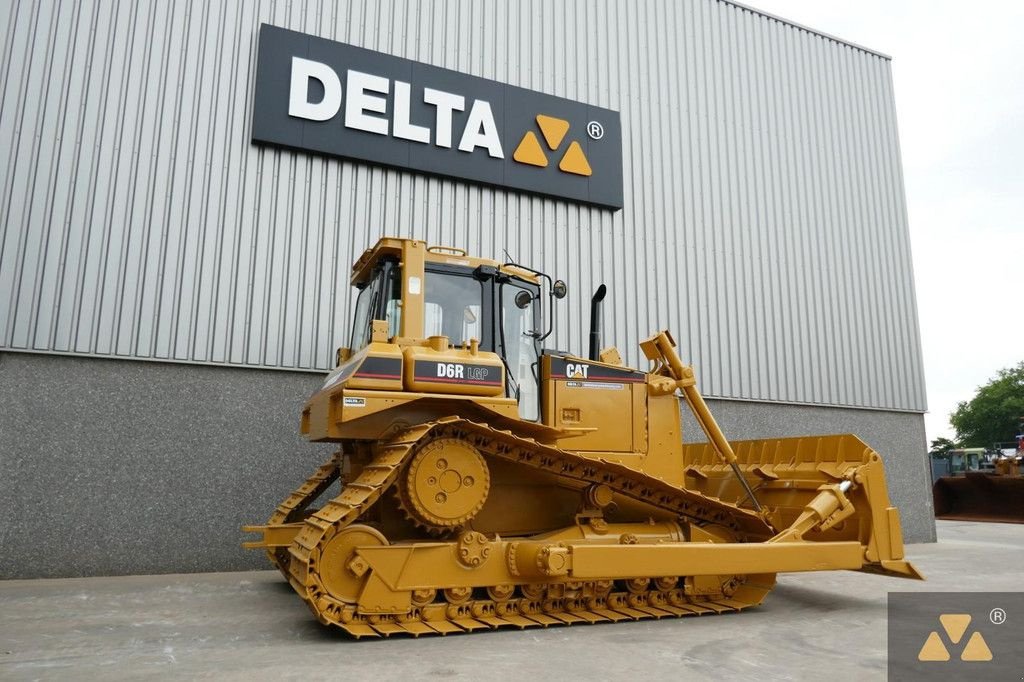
575,161
529,151
955,625
976,649
933,649
554,130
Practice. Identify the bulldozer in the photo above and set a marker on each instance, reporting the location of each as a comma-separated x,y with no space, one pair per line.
483,480
994,493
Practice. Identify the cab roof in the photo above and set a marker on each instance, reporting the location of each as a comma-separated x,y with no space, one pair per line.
447,255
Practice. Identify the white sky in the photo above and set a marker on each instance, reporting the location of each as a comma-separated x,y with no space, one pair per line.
958,70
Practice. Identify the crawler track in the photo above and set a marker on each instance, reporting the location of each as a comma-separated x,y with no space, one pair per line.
296,503
527,605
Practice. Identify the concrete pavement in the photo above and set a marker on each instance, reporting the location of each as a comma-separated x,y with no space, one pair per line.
251,626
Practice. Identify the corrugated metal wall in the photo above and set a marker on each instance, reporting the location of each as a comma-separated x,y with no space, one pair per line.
764,223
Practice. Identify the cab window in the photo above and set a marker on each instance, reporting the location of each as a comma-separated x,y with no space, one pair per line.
363,318
453,307
380,298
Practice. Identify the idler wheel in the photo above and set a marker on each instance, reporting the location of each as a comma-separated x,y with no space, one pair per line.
342,572
445,485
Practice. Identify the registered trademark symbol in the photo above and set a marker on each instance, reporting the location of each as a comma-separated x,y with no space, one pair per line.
595,130
997,616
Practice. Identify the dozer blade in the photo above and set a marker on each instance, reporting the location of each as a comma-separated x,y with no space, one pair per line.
977,496
827,489
813,489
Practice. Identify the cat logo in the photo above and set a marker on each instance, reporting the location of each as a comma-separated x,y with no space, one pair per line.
574,370
553,129
955,625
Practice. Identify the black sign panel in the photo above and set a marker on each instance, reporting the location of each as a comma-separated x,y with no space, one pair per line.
333,98
573,368
458,373
380,368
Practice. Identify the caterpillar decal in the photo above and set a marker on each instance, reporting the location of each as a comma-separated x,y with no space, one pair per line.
562,369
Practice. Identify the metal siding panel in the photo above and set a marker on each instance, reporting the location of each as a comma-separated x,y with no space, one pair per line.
773,195
912,364
45,181
881,308
63,157
22,250
758,339
856,380
874,359
844,338
765,222
822,229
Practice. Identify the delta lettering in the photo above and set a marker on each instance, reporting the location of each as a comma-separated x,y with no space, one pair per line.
365,101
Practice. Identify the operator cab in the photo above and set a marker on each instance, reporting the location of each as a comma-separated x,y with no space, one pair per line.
458,297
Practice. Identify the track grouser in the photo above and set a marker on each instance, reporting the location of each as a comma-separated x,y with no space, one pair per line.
483,480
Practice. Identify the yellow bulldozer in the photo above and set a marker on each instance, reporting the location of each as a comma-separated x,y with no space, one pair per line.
486,481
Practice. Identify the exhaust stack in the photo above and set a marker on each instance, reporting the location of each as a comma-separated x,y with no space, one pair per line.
595,322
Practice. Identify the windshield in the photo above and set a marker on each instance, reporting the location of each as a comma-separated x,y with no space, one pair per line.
453,307
518,340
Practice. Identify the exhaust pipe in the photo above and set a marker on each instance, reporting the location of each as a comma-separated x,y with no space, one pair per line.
595,322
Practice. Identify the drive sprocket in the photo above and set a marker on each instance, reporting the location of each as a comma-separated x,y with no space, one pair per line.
445,485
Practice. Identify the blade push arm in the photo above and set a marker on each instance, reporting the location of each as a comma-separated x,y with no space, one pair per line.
661,350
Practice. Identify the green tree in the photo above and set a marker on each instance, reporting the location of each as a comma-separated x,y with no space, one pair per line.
993,414
941,446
